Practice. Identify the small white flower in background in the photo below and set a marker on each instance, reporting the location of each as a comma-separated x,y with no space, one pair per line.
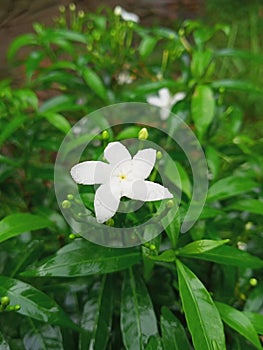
122,176
124,77
125,15
165,101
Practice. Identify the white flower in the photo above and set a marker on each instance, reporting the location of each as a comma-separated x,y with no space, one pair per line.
124,77
125,15
165,101
122,176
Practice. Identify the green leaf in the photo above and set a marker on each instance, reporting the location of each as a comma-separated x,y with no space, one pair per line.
229,187
97,315
15,224
173,333
46,337
71,35
200,62
95,83
253,206
239,322
256,320
57,104
154,343
173,228
11,127
146,46
17,43
34,303
213,160
3,343
228,255
166,256
199,247
202,108
239,85
178,176
201,314
82,258
128,133
138,321
58,121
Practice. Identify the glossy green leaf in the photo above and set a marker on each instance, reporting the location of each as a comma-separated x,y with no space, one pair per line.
128,133
229,256
57,104
20,41
178,176
173,333
239,322
202,108
71,35
15,224
46,337
8,129
82,258
97,316
3,343
147,45
138,321
95,83
236,53
154,343
167,256
34,303
58,121
199,247
256,320
253,206
172,224
229,187
201,314
200,62
213,160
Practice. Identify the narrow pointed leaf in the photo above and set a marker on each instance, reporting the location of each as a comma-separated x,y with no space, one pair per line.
34,303
239,322
228,255
138,321
254,206
95,83
15,224
256,320
201,246
173,333
82,258
97,316
201,314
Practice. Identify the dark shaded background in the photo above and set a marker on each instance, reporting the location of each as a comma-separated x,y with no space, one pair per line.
17,16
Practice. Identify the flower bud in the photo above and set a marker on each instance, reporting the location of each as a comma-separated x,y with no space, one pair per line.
253,282
143,134
70,197
110,222
81,14
242,296
170,204
72,236
72,6
5,301
17,307
66,204
152,247
159,155
62,9
105,135
117,11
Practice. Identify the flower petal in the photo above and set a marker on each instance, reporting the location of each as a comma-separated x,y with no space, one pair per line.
143,163
177,97
146,191
155,101
165,96
91,172
164,112
106,202
116,152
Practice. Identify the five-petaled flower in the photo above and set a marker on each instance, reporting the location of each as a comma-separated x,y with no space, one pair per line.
165,101
122,176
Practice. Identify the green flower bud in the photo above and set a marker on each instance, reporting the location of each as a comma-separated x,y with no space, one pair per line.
5,301
66,204
143,134
152,247
110,222
17,307
105,135
170,204
81,14
253,282
72,236
72,6
62,9
70,197
159,155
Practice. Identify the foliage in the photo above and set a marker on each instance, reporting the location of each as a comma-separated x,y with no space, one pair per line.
201,289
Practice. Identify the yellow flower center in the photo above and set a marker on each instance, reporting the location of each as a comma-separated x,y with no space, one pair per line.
122,176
